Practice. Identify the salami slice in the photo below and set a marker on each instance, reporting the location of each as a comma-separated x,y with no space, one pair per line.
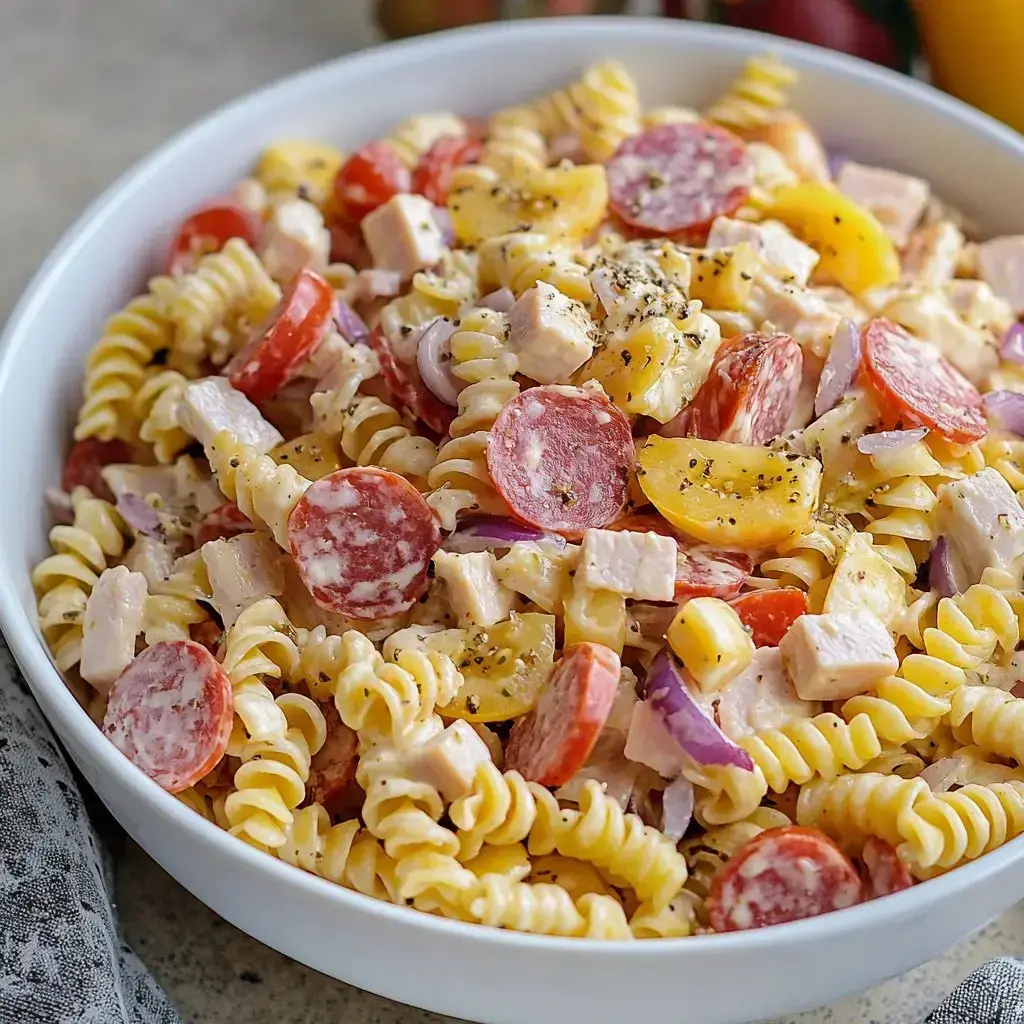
751,390
784,874
677,178
885,872
562,458
224,521
917,387
768,614
362,540
334,765
551,743
87,458
170,713
403,378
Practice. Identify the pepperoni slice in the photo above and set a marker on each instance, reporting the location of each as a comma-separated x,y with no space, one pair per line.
677,178
334,765
885,872
279,346
784,874
207,633
768,614
751,390
369,178
208,230
224,521
170,713
362,540
562,459
403,378
551,743
433,176
87,458
917,387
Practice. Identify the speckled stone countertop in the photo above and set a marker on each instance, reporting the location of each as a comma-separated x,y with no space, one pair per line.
87,87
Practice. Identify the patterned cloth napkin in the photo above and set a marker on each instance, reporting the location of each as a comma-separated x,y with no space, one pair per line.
62,960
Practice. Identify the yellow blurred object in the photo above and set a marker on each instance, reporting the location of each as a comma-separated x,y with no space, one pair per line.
975,49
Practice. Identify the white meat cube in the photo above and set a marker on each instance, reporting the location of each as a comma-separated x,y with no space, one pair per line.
402,235
212,404
242,570
790,308
837,655
550,333
978,306
638,565
449,761
983,522
151,557
897,200
1001,265
774,243
475,593
127,477
295,237
113,619
932,254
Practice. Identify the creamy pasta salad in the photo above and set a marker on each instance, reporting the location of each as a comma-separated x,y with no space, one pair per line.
593,520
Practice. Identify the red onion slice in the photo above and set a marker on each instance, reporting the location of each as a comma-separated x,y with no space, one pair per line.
139,514
488,533
840,367
943,774
941,574
1005,409
501,301
677,808
443,220
889,440
350,323
434,361
1012,346
668,693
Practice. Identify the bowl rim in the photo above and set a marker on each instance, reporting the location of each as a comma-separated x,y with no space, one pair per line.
29,649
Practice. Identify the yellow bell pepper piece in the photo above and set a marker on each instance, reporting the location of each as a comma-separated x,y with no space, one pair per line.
312,455
302,167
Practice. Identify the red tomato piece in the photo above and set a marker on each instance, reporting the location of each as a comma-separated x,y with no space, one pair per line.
433,176
87,458
550,743
403,378
562,458
224,521
768,614
675,179
369,178
170,713
784,874
885,872
334,766
917,387
279,347
362,540
208,230
751,390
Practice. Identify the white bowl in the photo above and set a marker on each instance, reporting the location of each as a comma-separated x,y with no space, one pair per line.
466,971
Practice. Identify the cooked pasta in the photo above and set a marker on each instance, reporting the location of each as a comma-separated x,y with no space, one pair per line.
757,93
374,434
155,405
518,261
499,810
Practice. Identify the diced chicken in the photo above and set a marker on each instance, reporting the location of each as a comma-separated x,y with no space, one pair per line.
212,404
838,655
800,312
897,200
122,478
761,697
637,565
932,254
113,619
402,235
152,558
449,761
550,333
775,244
241,570
295,237
865,581
983,522
650,743
979,307
476,594
1001,265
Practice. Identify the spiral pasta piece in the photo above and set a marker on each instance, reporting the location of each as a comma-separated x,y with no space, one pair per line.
416,134
991,718
726,793
64,580
355,364
515,147
324,657
265,492
373,434
675,921
811,557
519,261
461,481
500,810
156,407
168,617
436,882
757,93
116,368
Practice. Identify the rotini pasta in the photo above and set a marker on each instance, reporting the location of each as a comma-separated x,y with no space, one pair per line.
754,95
373,434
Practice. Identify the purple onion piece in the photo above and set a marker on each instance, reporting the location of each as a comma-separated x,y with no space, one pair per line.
501,301
488,533
434,361
677,808
941,577
889,440
139,514
1005,409
840,367
443,220
836,161
1012,346
349,322
668,694
943,774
